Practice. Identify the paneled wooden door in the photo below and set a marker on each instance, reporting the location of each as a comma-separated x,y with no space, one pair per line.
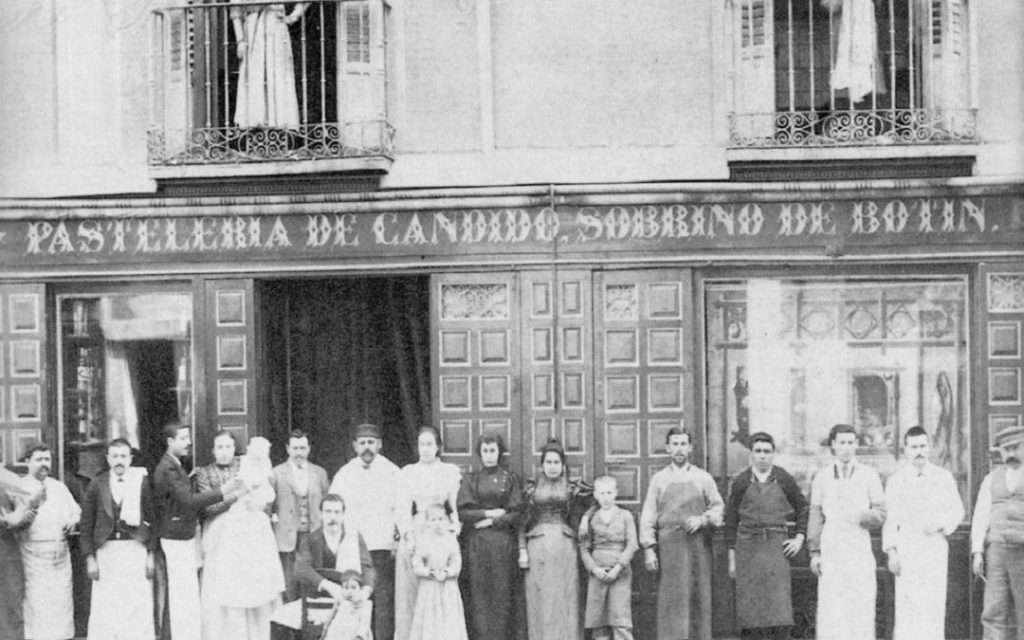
475,366
644,327
602,361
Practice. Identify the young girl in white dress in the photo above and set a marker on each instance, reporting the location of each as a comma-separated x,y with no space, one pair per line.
242,576
437,563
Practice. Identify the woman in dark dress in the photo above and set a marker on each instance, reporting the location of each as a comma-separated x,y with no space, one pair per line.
547,548
489,504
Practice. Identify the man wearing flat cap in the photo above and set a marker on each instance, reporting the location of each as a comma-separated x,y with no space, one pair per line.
367,483
997,540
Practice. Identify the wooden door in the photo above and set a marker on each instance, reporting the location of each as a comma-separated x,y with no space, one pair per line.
644,373
475,363
557,355
23,406
226,365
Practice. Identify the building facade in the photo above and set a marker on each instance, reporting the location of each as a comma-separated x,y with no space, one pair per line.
586,220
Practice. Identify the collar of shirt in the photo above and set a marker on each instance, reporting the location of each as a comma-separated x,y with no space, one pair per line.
1014,477
762,477
334,542
845,471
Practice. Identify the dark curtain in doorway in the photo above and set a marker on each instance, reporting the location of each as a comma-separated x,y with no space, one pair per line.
346,351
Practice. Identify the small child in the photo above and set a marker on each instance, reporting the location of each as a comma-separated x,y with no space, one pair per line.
607,543
355,611
437,562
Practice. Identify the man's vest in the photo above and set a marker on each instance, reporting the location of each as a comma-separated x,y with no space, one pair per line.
1006,524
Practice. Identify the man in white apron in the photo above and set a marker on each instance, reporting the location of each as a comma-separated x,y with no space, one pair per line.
924,508
48,605
119,548
847,499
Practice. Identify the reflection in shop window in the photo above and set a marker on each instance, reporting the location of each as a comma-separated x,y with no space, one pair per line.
126,371
795,357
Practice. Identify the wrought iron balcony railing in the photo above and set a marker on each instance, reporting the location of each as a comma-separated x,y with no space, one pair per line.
247,82
826,73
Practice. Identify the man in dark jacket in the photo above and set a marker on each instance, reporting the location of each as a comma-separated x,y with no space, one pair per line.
177,508
118,546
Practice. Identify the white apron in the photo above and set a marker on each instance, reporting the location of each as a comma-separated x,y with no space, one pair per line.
847,586
48,607
921,587
122,599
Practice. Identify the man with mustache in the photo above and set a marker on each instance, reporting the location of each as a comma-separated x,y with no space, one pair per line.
923,509
48,604
997,540
177,509
299,485
367,484
119,548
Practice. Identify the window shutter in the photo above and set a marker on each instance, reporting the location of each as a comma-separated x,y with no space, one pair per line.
945,62
361,62
755,83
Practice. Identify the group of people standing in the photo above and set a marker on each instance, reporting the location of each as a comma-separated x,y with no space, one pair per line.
381,544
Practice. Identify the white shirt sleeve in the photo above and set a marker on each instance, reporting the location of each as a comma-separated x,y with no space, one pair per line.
982,513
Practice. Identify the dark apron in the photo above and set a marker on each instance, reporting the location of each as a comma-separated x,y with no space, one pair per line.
684,559
762,570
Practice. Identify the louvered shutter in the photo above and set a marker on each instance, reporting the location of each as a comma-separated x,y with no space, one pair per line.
945,63
361,64
755,83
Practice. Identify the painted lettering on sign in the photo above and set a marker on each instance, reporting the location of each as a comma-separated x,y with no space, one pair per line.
693,226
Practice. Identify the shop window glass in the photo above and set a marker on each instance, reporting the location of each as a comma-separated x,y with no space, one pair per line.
126,371
794,357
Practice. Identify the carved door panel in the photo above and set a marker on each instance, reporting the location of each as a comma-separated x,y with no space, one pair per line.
475,363
556,345
644,371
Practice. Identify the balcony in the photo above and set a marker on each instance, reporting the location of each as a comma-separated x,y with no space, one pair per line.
247,84
849,73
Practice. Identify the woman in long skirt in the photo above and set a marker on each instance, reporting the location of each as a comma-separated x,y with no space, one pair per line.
489,505
421,484
547,549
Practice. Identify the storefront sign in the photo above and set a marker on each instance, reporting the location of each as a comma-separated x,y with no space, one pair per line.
813,225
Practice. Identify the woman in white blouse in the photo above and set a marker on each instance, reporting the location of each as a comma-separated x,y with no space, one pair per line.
423,483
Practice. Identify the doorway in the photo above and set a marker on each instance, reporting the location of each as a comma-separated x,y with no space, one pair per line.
340,352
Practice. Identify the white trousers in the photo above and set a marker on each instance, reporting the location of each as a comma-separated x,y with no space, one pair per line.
182,588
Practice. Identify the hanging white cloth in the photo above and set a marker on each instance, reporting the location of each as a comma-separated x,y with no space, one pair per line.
857,67
122,415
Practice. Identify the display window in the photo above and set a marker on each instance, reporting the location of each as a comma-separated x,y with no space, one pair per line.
126,370
793,357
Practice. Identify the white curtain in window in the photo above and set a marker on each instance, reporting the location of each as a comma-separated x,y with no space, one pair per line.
141,317
122,415
857,67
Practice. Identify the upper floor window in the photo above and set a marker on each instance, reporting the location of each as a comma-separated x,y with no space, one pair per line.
849,72
243,81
